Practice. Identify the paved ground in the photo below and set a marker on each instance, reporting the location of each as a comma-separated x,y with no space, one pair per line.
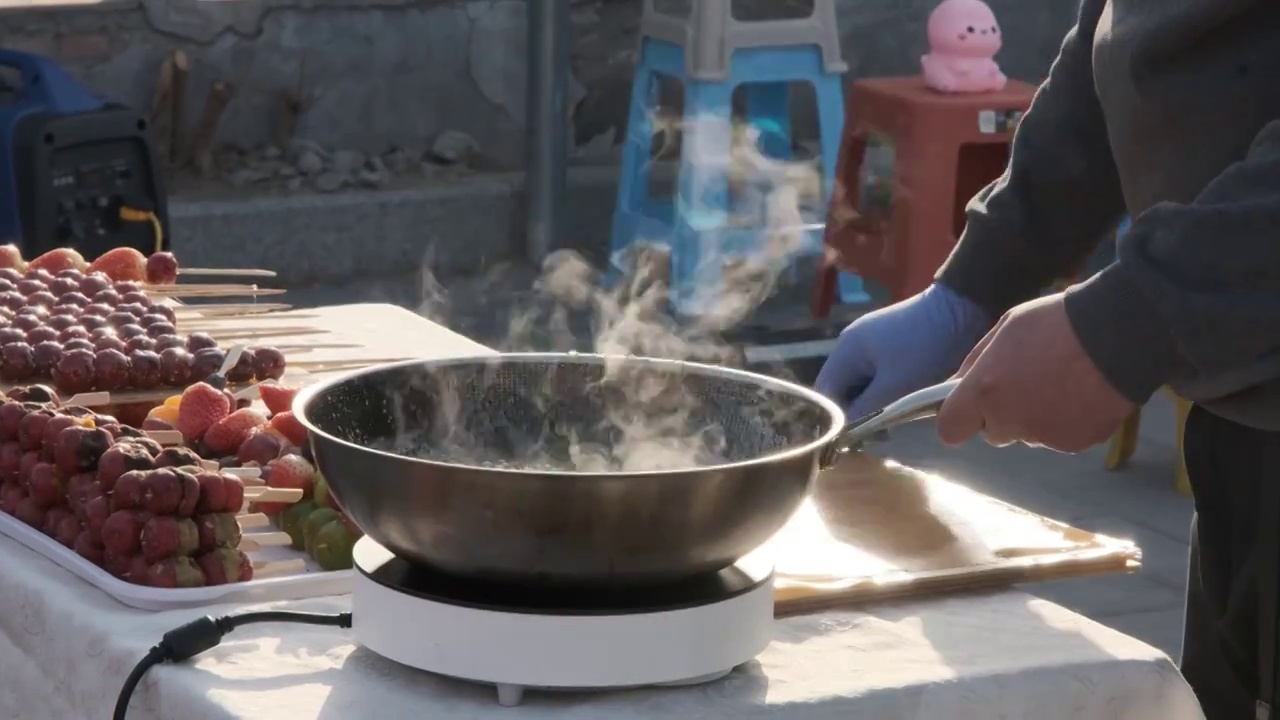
1139,503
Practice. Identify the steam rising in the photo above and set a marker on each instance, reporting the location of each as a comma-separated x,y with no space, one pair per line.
624,415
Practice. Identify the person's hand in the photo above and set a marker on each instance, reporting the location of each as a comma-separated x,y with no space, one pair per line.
1029,380
901,348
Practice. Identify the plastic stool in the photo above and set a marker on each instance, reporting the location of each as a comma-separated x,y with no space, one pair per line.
1125,442
946,149
711,53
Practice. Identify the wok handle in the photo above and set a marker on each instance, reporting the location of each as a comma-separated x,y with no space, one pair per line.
918,405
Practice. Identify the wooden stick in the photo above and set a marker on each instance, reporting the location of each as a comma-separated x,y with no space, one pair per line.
275,495
164,89
230,309
244,473
165,437
249,393
267,333
231,359
243,291
126,397
228,272
162,107
249,521
216,324
89,399
249,476
262,568
200,152
166,288
300,349
257,541
178,106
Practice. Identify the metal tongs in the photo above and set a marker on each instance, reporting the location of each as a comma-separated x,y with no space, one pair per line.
918,405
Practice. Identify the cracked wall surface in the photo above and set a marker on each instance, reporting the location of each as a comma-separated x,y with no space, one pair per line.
382,73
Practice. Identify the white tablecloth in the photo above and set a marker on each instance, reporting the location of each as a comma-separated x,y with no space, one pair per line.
65,648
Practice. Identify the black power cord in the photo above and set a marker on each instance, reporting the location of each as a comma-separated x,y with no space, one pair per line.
183,643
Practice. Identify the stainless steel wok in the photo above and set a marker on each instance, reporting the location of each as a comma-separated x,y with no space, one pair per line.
475,466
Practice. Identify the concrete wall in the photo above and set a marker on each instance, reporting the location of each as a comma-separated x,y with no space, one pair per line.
382,73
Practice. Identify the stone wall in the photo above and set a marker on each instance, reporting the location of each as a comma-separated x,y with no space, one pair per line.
395,73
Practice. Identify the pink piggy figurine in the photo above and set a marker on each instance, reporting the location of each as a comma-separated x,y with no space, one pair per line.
963,40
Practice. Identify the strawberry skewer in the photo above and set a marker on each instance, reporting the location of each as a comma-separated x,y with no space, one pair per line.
160,268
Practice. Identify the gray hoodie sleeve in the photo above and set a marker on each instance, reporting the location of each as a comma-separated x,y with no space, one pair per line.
1059,196
1196,290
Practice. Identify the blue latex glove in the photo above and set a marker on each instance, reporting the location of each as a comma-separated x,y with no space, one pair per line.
901,348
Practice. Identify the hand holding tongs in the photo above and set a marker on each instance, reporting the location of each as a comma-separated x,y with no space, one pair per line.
918,405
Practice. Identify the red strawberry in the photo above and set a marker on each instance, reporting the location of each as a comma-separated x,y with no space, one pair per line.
162,269
288,427
11,257
122,263
276,397
290,471
225,436
55,261
202,406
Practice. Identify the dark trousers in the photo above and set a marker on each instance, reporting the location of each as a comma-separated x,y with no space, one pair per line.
1227,464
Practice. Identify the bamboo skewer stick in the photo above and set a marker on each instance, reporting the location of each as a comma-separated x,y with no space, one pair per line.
166,289
261,494
177,291
249,393
193,324
90,399
300,349
250,521
268,333
263,568
257,541
165,437
248,475
270,494
128,397
229,309
227,272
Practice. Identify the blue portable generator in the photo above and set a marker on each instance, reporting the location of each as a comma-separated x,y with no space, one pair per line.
76,169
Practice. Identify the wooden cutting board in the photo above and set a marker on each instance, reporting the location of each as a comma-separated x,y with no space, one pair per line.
875,530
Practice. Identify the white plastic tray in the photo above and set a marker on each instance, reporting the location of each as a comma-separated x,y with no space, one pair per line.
308,583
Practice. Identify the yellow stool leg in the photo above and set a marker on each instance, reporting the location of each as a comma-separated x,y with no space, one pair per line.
1183,409
1125,442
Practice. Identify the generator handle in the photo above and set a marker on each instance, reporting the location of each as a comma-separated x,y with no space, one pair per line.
44,83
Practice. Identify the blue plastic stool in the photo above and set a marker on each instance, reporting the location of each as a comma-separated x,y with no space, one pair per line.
696,224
